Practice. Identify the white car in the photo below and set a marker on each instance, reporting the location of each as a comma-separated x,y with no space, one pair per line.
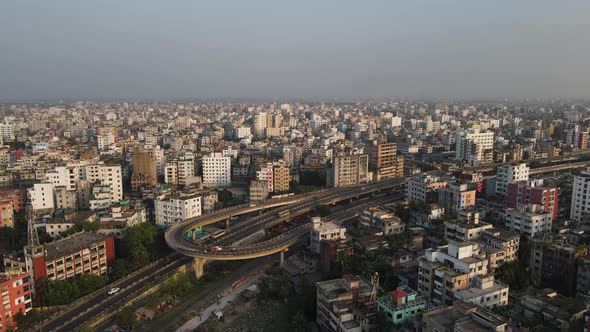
113,290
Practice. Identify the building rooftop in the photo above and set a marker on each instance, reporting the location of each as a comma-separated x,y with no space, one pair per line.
72,243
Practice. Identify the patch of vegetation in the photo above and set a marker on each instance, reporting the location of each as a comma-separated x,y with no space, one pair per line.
62,292
142,244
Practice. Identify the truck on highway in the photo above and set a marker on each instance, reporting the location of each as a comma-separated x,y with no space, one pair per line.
216,249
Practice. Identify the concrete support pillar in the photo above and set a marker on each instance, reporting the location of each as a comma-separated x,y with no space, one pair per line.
199,267
227,225
283,257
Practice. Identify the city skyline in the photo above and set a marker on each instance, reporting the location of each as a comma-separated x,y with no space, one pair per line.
263,50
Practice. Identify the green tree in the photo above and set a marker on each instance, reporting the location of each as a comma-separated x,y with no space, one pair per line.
517,275
225,196
298,322
323,211
127,318
84,226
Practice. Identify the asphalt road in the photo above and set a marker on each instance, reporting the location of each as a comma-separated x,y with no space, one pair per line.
77,316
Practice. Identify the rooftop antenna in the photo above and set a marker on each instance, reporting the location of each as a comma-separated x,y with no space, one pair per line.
32,236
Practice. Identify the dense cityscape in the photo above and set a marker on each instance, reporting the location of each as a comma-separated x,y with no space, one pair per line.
362,216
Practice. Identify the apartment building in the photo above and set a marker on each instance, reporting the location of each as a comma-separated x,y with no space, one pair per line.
485,291
81,253
176,208
499,246
324,231
456,196
385,162
445,270
350,170
473,146
529,221
463,317
522,193
383,220
42,196
467,228
340,303
580,195
506,174
216,170
423,187
16,298
401,304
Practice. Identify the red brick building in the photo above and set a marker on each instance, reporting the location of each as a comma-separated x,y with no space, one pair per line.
81,253
16,297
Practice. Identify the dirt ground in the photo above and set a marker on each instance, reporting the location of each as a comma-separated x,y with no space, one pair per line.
271,317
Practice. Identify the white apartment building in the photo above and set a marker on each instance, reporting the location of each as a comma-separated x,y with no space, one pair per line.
422,187
112,176
580,195
42,196
466,140
216,170
99,173
63,176
485,292
101,197
324,231
530,220
508,173
104,141
174,209
243,132
445,270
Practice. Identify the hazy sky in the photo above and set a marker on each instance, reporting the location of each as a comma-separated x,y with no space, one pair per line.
165,49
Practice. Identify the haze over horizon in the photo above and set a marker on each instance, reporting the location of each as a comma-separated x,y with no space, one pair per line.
265,49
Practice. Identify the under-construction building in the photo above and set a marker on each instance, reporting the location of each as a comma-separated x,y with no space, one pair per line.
144,167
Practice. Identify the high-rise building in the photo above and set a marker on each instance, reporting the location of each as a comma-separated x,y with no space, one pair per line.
7,132
42,196
471,146
523,193
506,174
580,195
351,170
385,162
281,177
216,170
260,124
144,167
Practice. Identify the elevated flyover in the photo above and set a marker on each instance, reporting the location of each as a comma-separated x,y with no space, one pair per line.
232,249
